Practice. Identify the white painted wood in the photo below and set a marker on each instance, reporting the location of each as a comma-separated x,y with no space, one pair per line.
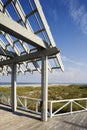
60,61
10,26
86,104
44,89
13,85
21,14
2,44
10,41
18,8
7,53
31,56
42,16
71,106
51,109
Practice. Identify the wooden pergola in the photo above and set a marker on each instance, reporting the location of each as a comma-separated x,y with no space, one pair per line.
21,44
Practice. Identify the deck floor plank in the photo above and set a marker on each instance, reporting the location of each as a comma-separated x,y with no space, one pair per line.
21,120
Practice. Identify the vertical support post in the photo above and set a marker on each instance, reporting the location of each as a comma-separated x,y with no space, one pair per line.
44,89
9,101
86,104
50,109
37,106
13,85
71,107
25,103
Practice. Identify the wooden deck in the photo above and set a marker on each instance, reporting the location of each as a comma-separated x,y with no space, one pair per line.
26,121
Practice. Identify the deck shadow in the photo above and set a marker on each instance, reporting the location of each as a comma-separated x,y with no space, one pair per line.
27,114
20,113
76,125
5,108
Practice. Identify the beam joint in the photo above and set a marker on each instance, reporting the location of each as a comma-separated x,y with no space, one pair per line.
32,56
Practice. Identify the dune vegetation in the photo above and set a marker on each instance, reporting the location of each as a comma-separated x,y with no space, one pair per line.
55,92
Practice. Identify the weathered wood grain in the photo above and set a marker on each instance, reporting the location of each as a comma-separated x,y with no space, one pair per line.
26,121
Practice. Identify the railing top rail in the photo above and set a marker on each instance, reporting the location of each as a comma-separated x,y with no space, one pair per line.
67,100
50,101
29,98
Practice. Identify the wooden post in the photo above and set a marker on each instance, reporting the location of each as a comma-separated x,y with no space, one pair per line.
13,85
44,90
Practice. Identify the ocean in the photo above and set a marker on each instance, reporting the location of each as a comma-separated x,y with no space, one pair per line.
28,84
20,83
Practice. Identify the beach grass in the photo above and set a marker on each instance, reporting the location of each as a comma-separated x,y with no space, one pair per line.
55,92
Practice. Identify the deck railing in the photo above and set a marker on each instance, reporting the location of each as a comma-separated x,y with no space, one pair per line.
5,99
28,104
55,107
23,102
68,106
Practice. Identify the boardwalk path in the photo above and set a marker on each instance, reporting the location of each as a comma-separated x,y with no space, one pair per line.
25,121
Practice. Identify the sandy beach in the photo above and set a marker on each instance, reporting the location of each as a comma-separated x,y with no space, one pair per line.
35,85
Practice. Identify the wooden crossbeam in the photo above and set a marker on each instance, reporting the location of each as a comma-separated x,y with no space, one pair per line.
27,15
7,3
41,30
10,26
31,13
31,56
6,53
42,16
47,29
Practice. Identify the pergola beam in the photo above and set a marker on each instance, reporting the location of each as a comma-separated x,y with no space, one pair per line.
31,56
6,53
42,16
8,25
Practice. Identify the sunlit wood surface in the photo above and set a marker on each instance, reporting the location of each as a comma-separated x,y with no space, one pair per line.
25,121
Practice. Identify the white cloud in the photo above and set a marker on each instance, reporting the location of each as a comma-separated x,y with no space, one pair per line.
70,75
84,24
65,59
76,11
79,14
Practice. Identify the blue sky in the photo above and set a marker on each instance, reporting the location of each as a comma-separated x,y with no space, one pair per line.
68,23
